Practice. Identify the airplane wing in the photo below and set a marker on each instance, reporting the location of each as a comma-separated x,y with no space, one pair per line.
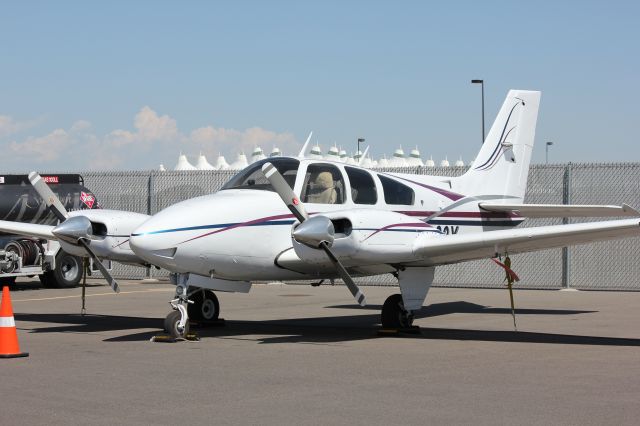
30,229
460,248
562,210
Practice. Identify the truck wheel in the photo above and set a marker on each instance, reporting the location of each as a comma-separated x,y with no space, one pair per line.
67,274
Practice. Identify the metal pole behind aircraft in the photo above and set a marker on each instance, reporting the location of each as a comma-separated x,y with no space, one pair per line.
481,82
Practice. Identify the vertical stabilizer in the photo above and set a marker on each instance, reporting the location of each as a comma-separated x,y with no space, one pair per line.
502,165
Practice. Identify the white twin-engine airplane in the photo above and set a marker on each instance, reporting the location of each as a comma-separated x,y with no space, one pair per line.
294,218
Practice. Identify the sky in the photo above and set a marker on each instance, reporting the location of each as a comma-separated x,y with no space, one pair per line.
127,85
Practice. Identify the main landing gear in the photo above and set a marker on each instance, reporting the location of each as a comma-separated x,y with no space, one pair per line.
394,315
200,305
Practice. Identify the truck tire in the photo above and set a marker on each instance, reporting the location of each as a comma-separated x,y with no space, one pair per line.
67,274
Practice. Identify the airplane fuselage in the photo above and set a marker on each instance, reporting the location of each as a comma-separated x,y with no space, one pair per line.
240,233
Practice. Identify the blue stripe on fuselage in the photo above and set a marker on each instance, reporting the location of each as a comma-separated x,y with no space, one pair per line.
216,226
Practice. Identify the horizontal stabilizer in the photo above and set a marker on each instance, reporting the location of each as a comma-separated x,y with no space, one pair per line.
562,210
28,229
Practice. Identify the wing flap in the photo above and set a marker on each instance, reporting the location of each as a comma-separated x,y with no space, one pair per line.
460,248
562,210
29,229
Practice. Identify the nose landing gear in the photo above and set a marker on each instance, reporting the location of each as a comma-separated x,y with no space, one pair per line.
177,322
198,304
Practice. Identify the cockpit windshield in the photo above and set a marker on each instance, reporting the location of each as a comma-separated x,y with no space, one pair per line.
252,177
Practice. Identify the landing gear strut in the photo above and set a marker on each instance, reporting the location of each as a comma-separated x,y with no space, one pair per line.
200,304
177,322
394,315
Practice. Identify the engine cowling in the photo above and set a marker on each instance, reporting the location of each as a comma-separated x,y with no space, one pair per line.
362,237
107,231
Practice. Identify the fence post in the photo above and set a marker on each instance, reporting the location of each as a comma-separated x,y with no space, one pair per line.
566,254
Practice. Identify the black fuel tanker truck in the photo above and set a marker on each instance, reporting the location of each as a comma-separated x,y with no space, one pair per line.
27,256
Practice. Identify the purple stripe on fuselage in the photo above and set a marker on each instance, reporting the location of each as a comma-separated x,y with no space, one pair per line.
450,195
238,225
395,225
480,215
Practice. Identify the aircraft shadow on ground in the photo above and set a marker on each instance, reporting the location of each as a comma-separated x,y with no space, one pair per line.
36,285
462,307
319,330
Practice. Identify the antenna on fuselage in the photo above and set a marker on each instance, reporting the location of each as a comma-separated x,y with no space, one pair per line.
304,147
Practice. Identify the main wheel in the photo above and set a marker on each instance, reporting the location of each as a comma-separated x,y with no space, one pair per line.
394,315
171,325
67,274
205,306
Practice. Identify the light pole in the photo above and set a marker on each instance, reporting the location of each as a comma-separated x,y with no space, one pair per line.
546,153
481,83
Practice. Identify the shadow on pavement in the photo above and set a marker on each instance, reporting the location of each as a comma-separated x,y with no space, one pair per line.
35,285
320,330
462,307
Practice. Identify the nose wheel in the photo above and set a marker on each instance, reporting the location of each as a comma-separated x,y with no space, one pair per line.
176,324
394,315
173,326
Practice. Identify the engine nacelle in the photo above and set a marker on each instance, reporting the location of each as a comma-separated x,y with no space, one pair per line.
367,237
109,234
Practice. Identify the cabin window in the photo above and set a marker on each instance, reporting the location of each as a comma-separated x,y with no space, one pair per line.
363,188
253,178
395,192
323,184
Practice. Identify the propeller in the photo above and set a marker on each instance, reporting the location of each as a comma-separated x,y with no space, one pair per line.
76,230
316,232
50,199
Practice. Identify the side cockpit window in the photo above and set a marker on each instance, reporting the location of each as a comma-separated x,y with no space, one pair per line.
395,192
323,184
363,188
253,178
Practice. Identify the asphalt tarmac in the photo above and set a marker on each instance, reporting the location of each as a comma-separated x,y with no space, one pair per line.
305,355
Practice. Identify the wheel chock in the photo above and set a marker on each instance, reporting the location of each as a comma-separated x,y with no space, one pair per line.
165,338
399,332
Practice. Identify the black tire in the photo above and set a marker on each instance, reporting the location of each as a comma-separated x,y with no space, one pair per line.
205,306
67,274
393,313
171,325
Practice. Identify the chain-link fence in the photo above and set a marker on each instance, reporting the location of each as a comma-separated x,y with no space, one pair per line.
604,265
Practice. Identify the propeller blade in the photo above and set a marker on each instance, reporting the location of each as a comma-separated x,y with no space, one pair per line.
284,191
50,199
353,287
291,200
107,276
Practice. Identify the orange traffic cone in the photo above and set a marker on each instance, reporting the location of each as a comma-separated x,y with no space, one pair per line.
9,347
